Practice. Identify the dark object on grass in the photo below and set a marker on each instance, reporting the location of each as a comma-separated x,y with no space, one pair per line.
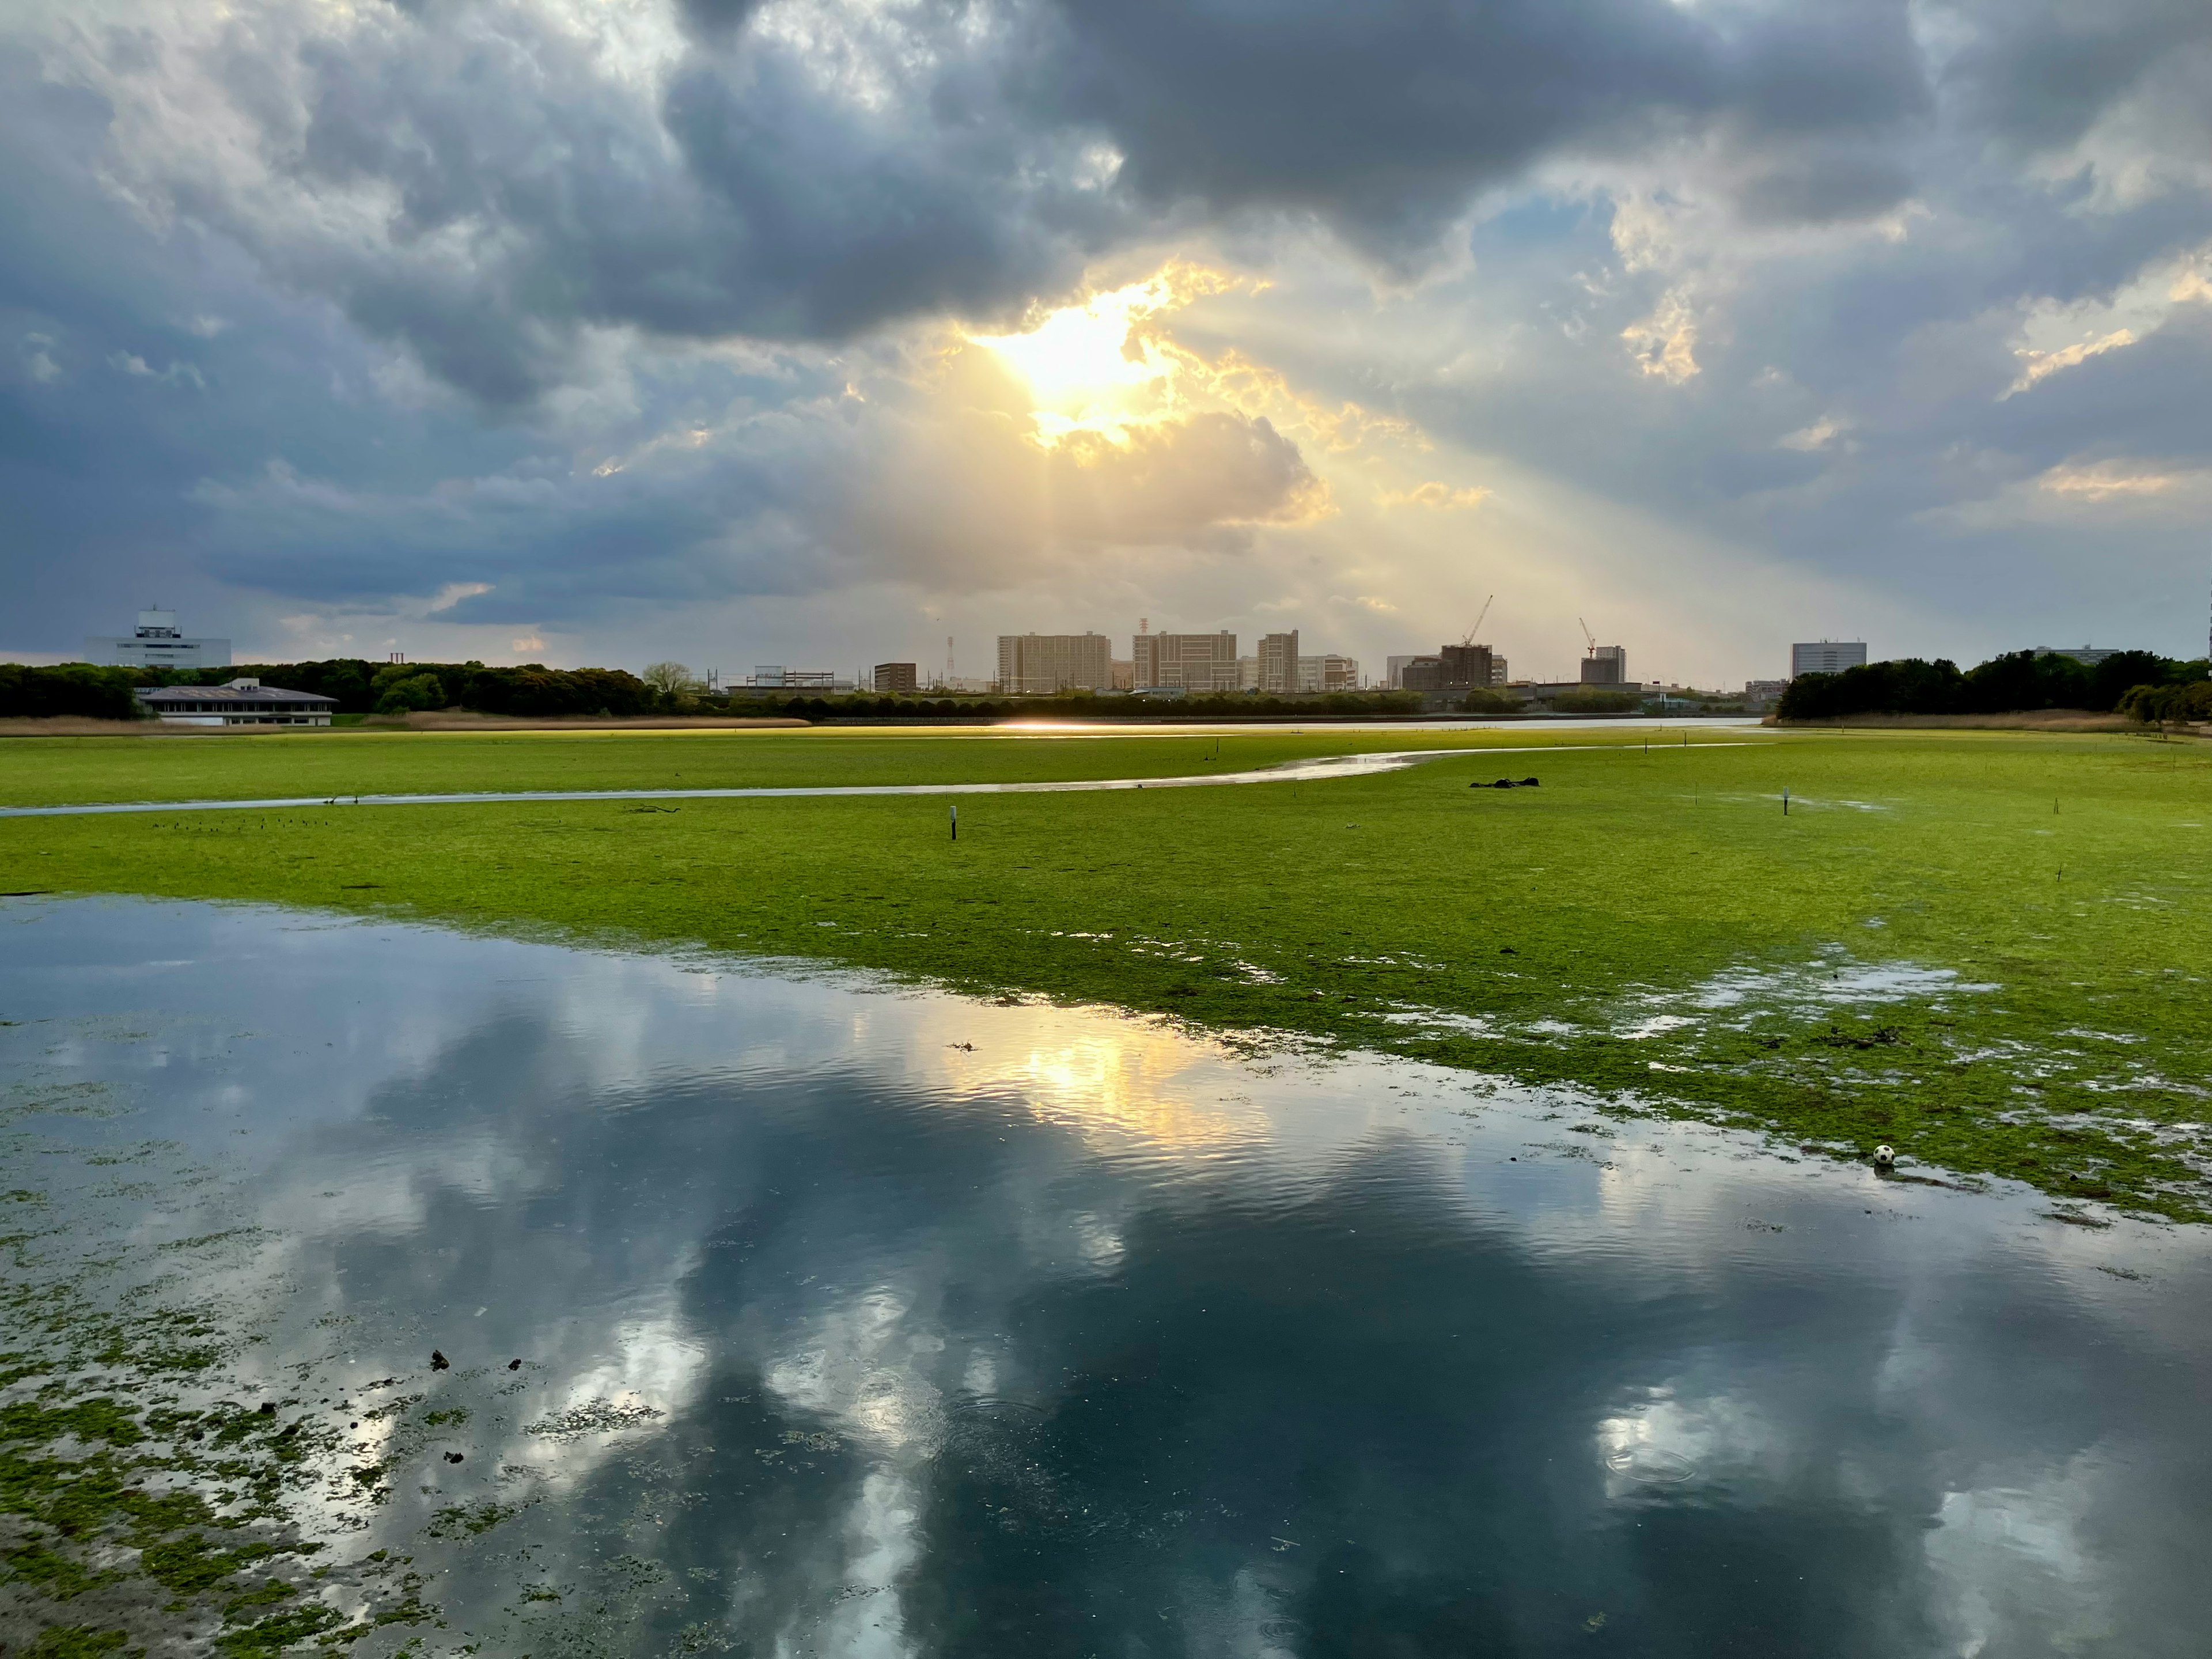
1507,951
453,1457
291,1430
439,1361
267,1408
1883,1036
515,1364
1506,783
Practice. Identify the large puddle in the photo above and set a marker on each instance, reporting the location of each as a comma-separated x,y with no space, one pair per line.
867,1322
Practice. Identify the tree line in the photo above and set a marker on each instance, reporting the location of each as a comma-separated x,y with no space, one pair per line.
2134,683
360,687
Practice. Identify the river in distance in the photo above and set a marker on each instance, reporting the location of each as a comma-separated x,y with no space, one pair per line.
860,1320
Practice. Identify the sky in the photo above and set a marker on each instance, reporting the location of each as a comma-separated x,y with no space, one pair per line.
817,332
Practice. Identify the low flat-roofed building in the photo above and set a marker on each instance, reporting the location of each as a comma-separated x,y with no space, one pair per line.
896,676
243,702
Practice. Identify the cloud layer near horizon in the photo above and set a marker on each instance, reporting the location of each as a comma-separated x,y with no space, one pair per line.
597,332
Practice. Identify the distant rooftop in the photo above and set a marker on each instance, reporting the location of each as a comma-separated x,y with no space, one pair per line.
247,692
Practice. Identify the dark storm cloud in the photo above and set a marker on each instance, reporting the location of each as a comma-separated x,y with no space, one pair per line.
1384,117
941,157
228,243
2041,72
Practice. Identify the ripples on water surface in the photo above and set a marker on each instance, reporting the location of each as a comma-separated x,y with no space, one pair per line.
876,1322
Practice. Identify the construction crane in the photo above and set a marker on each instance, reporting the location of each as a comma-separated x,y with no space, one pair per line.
1477,628
1587,634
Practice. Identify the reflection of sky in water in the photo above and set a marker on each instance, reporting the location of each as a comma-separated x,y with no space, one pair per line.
1080,1337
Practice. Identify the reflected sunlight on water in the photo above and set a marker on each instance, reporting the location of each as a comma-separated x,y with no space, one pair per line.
854,1320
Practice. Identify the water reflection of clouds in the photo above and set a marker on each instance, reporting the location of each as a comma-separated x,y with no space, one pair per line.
1100,1305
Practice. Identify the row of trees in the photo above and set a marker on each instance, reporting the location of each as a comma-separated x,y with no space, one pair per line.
360,687
2138,684
2018,681
73,688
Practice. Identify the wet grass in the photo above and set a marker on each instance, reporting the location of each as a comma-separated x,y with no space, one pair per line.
50,771
152,1486
1650,930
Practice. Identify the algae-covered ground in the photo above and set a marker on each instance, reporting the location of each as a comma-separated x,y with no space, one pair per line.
1988,949
156,1463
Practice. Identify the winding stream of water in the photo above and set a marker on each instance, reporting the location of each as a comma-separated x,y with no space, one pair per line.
1319,769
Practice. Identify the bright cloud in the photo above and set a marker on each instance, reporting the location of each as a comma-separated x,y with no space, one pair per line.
2037,365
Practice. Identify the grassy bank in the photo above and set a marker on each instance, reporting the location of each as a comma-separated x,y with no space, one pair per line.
1988,949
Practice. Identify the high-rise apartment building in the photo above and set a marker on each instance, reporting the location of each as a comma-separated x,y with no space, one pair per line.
1054,662
1279,663
1465,667
1826,657
1328,673
1606,665
1189,662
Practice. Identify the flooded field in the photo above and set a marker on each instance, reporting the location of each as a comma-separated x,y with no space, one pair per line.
570,1302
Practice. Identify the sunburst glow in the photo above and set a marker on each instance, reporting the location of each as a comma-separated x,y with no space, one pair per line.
1103,366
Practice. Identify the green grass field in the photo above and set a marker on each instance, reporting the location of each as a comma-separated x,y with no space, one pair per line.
2031,914
48,771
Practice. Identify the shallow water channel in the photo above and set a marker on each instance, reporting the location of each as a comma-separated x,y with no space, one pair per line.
865,1321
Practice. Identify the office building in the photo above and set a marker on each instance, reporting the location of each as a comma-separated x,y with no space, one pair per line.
894,677
1826,657
1278,663
1606,665
1186,662
1419,673
1763,694
243,702
1046,663
158,643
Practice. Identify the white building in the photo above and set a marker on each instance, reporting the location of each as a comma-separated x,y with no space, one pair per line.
157,643
1826,657
242,703
1328,672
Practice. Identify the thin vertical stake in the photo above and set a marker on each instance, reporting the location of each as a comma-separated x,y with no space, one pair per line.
956,820
1785,800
